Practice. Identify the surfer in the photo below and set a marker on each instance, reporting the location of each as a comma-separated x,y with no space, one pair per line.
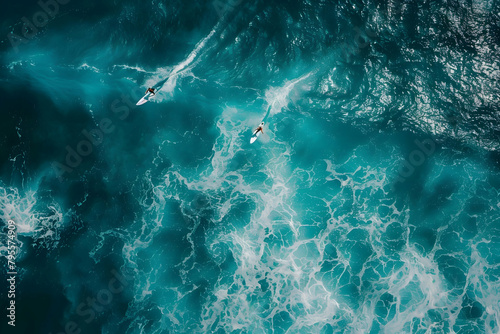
149,95
257,132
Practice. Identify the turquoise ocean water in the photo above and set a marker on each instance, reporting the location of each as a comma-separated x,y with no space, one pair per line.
369,205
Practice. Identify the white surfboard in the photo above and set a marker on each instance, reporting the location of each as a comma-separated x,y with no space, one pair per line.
256,134
144,99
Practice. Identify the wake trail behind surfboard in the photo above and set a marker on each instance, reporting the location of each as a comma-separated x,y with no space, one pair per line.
186,64
267,114
278,98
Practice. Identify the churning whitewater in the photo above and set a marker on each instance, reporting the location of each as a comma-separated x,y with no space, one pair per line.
368,204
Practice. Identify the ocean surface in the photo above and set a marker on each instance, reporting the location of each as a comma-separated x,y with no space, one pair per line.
370,204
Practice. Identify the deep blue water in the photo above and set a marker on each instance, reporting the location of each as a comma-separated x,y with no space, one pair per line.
369,205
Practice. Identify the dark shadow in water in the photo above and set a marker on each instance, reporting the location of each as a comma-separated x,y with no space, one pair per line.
440,195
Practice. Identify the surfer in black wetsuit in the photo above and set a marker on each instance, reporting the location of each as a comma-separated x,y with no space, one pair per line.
260,128
151,90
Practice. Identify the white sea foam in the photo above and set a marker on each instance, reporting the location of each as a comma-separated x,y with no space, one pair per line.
279,97
128,67
41,222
